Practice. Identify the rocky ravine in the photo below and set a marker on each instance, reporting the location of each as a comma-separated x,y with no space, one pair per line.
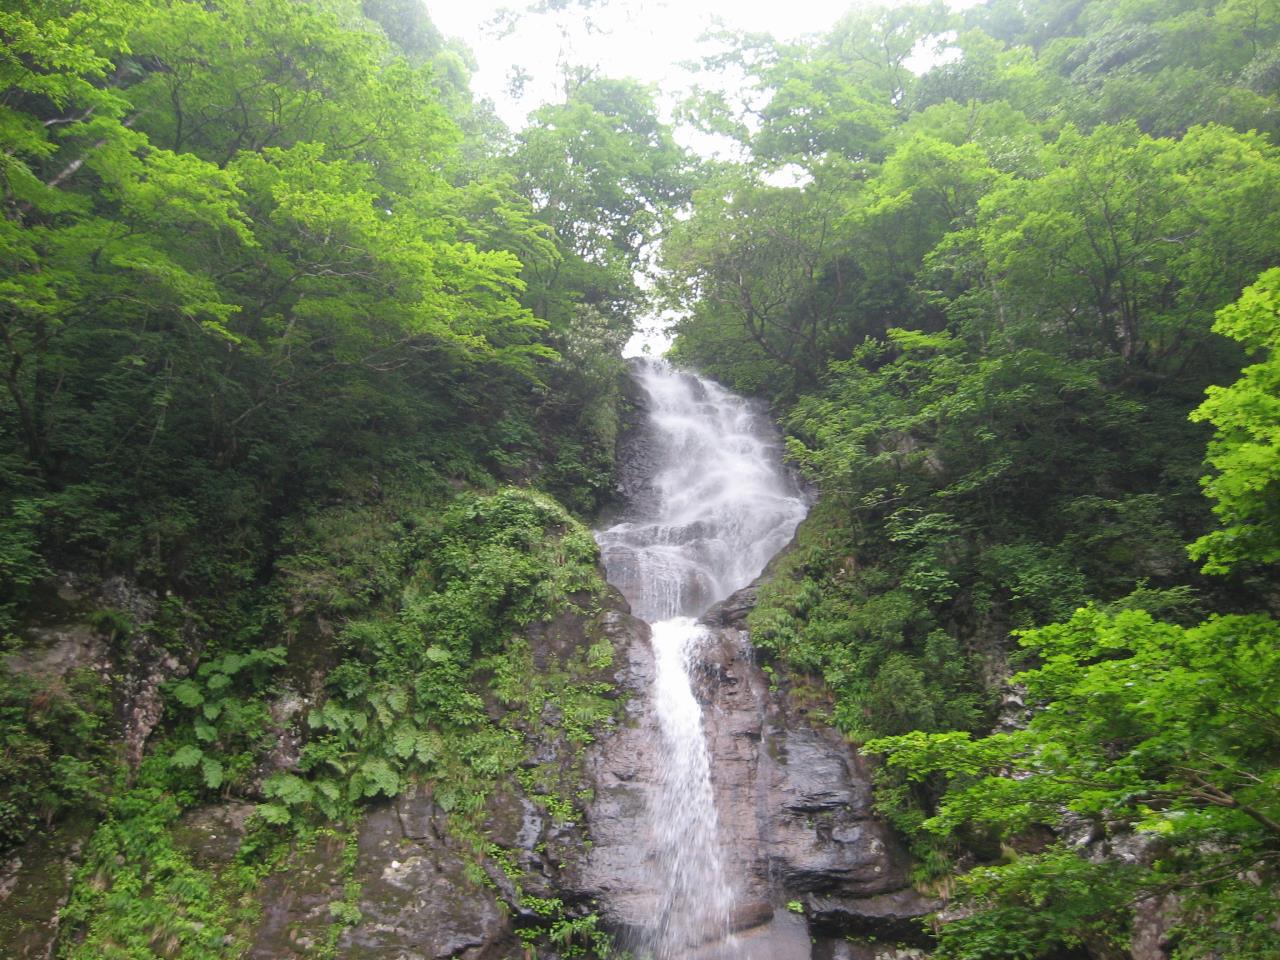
793,797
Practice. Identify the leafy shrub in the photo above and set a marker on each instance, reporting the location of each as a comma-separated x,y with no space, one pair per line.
405,701
54,749
1139,727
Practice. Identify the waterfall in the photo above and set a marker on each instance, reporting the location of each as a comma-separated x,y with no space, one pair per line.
714,506
695,896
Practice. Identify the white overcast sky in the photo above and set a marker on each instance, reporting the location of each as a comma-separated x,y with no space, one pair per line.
645,39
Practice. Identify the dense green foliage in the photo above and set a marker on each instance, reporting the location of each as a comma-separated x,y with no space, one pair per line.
54,736
243,255
1245,451
1142,726
292,330
982,300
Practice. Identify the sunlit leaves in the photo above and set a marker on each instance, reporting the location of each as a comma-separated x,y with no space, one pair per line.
1245,451
1135,725
1129,239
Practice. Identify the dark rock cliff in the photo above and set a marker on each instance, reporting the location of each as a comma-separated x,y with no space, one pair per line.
64,641
816,871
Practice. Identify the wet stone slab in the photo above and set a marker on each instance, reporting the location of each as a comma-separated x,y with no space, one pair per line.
35,881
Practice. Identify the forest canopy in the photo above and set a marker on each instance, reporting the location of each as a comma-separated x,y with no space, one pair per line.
1003,305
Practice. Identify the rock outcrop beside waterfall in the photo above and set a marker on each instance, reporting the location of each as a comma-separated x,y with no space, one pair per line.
424,893
795,809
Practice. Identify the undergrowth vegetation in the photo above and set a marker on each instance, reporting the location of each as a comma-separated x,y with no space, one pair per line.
55,750
403,702
433,684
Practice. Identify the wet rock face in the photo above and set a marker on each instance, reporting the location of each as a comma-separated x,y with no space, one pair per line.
35,882
795,789
620,770
795,813
638,453
296,916
417,899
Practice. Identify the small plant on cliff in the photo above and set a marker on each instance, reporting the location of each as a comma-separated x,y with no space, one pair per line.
228,716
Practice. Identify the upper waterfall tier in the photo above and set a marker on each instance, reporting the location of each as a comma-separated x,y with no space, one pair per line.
716,504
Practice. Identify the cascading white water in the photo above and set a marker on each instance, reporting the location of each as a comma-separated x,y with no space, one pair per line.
717,506
695,896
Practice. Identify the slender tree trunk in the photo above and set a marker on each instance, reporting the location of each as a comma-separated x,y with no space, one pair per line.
28,424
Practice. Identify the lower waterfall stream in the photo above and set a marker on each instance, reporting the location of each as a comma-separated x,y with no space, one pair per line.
714,506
